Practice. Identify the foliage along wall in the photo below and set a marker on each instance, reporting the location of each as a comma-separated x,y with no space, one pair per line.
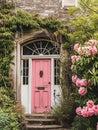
12,22
22,22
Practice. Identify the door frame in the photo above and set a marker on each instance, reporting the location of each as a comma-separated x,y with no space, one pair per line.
23,92
26,90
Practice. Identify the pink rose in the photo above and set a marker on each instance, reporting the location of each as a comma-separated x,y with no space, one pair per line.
76,46
88,50
92,42
90,104
82,91
78,110
78,58
94,50
74,78
83,82
95,109
84,112
75,58
80,52
90,112
78,82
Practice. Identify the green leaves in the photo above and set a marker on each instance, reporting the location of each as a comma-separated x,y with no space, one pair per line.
52,24
94,76
25,19
89,6
8,121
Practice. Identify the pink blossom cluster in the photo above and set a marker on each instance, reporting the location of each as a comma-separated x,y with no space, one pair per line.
92,42
82,91
89,110
75,58
90,48
81,83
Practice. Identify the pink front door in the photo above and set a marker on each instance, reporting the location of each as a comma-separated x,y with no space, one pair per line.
41,97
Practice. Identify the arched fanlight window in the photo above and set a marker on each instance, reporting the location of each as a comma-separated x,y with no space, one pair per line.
41,47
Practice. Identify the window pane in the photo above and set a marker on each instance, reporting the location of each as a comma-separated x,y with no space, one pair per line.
56,72
41,47
25,71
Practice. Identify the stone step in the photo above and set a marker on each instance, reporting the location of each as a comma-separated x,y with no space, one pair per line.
37,116
41,121
42,127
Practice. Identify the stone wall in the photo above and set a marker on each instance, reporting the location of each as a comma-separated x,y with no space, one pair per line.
42,7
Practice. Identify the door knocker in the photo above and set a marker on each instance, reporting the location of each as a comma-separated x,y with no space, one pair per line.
41,73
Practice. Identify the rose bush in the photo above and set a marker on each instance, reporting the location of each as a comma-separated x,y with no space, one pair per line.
89,110
85,77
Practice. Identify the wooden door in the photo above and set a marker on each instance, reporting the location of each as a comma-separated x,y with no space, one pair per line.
41,86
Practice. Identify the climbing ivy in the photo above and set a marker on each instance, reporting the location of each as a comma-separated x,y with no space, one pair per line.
80,28
6,45
12,21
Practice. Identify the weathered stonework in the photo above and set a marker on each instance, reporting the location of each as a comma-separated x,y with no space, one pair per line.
43,7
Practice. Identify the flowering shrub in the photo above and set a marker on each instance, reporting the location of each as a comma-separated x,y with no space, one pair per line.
89,110
88,50
85,77
80,82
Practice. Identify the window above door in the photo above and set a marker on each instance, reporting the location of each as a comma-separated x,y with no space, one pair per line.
41,47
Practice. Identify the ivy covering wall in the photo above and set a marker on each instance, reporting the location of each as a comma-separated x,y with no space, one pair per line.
12,21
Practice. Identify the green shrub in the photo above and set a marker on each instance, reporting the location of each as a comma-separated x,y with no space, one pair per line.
7,98
65,111
18,108
11,113
8,120
82,123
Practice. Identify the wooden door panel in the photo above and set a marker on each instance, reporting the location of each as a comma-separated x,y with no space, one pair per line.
46,99
41,89
37,99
